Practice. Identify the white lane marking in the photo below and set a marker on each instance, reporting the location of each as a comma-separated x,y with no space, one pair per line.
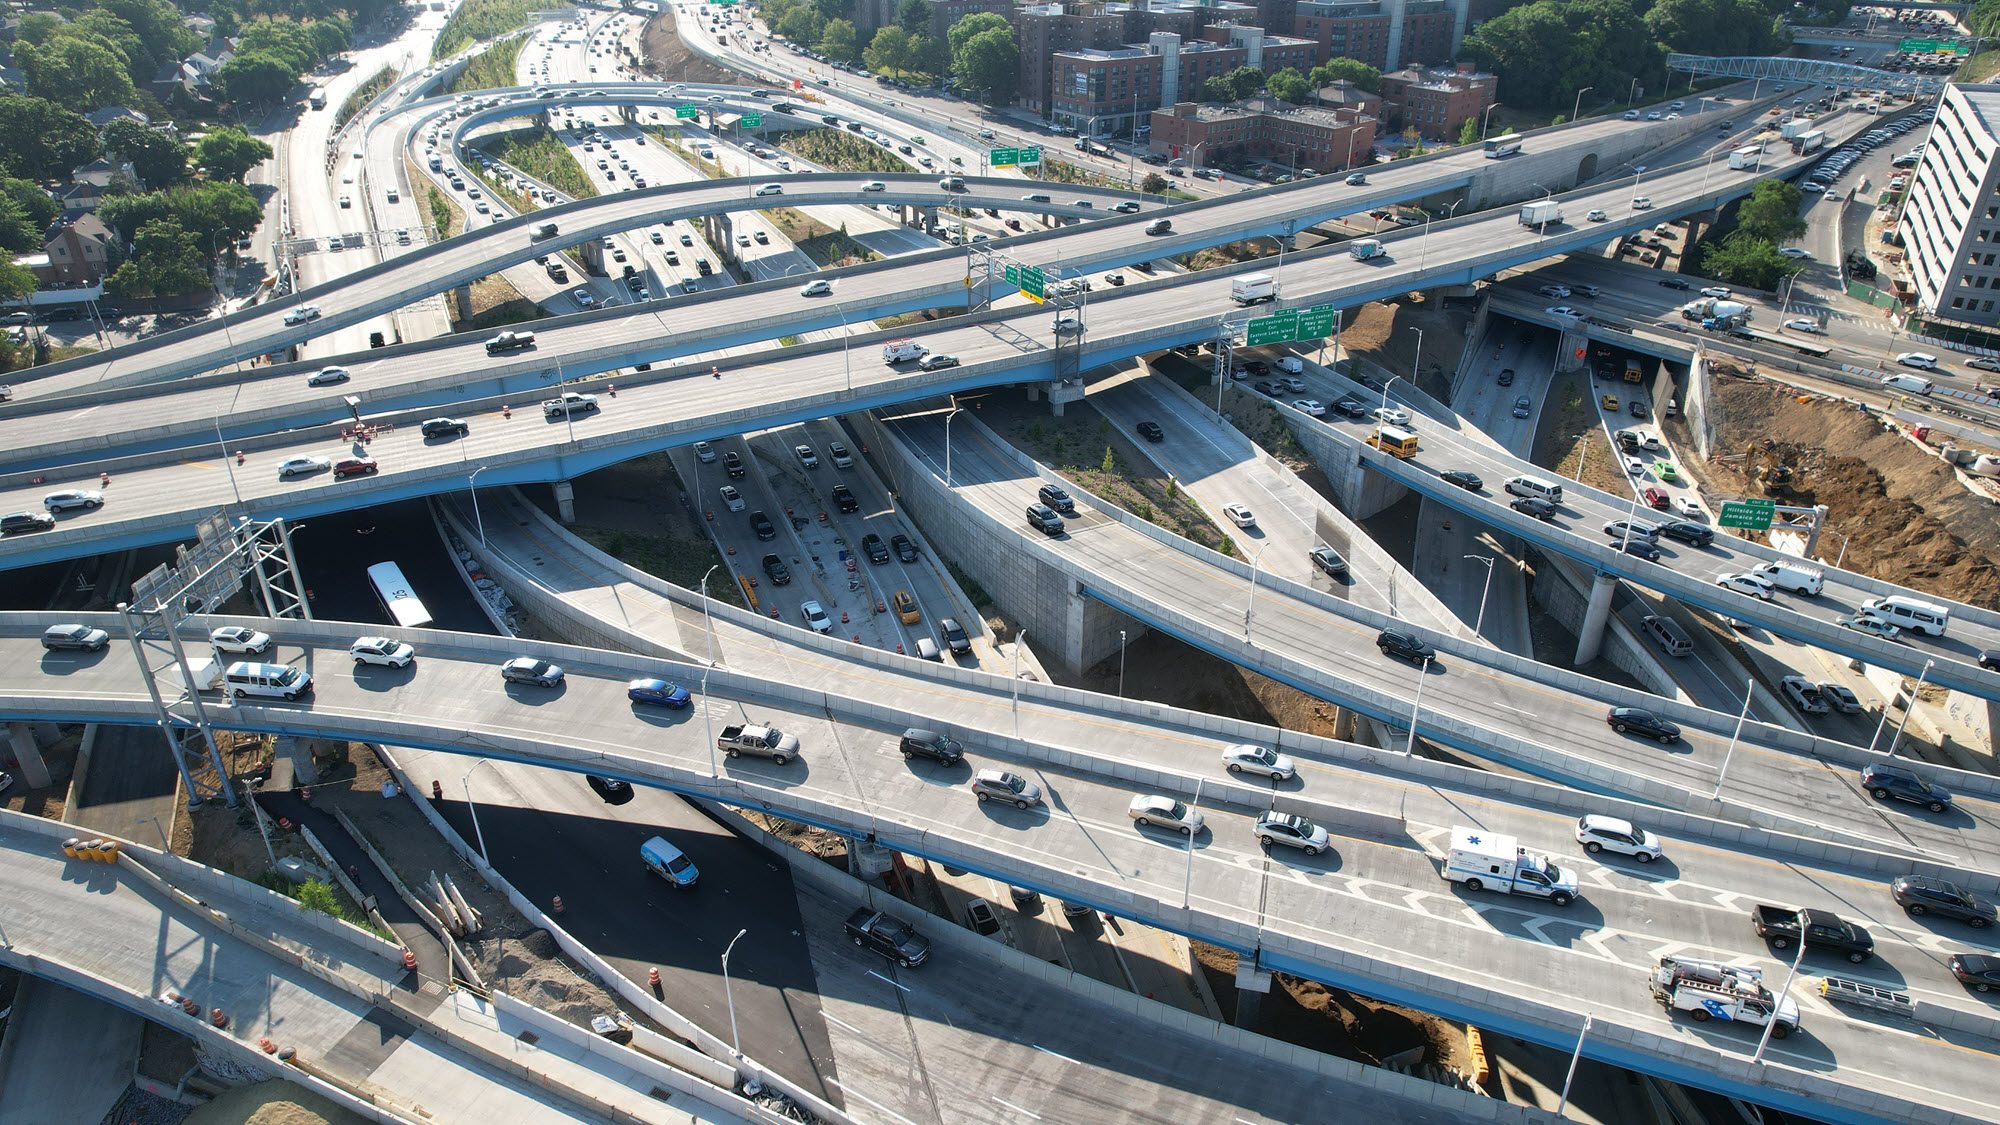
1018,1109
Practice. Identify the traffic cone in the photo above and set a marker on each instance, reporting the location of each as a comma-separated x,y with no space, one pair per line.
558,904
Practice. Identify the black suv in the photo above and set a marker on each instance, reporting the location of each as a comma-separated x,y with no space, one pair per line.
1151,431
1506,376
904,546
762,525
872,544
1056,498
1044,519
733,462
444,427
954,635
1674,283
843,498
776,570
1636,720
1923,894
1693,534
1886,782
1409,646
920,743
1533,506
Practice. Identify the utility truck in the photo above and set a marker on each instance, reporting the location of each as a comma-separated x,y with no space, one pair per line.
1722,990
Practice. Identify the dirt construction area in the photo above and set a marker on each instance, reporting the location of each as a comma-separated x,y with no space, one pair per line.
1907,517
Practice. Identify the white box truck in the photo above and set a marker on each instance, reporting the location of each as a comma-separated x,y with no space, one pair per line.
900,351
1253,287
1362,249
205,674
1481,859
1747,158
1541,211
1796,577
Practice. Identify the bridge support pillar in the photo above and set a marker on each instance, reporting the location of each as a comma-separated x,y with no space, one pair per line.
300,752
928,216
1252,984
565,501
1591,637
1062,392
28,755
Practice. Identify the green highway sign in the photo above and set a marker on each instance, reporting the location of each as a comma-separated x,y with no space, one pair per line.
1028,279
1003,157
1316,323
1748,515
1917,45
752,120
1273,329
1029,155
686,111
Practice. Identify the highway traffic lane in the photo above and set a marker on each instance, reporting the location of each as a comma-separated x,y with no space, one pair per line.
1345,652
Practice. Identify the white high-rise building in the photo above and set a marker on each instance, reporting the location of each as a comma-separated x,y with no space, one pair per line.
1951,222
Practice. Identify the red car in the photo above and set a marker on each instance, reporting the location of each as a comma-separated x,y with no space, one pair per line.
1654,497
354,467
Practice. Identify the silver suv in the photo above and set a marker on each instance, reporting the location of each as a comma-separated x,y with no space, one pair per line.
999,785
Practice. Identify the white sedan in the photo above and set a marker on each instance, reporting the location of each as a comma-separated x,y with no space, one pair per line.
383,651
1793,252
1248,757
302,314
1805,324
239,638
1165,812
815,616
1749,584
1311,406
731,498
1240,515
300,466
1391,416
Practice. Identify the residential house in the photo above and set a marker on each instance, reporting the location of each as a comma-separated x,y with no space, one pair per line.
79,252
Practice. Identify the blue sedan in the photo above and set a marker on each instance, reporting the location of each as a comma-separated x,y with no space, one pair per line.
659,693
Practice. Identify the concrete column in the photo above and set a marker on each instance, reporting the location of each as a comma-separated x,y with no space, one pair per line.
28,755
565,501
1591,637
300,752
1063,392
1393,57
1252,983
47,734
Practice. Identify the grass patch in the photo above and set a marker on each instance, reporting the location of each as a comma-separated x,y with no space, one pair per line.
541,154
676,559
519,311
446,218
821,243
492,70
1570,435
692,157
326,898
840,151
367,92
1084,446
482,19
980,598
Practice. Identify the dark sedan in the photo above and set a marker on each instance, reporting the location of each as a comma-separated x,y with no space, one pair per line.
1635,720
657,693
1977,971
1640,548
1533,506
1463,479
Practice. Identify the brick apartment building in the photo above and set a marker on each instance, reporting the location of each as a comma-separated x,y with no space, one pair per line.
1385,34
1436,102
1325,140
1109,92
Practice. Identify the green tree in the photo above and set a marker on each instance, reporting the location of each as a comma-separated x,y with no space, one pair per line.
157,27
1469,133
1246,81
318,896
1716,27
1218,88
989,62
1741,259
1289,85
889,50
977,23
159,160
229,152
40,140
15,281
209,210
77,72
801,25
1154,184
914,17
1544,52
256,77
1771,213
1355,71
165,261
840,41
25,214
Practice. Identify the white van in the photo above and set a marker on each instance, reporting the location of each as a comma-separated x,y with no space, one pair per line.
1912,383
1796,577
1911,614
272,681
902,351
1535,487
1668,634
669,863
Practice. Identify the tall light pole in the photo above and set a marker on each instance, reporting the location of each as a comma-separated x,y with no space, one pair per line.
1488,560
472,484
1749,689
1250,607
1486,119
1578,107
1423,673
1638,170
222,304
1416,368
708,621
1778,998
846,362
1424,257
956,410
1632,94
1575,1057
1121,663
231,466
1914,693
1392,378
465,783
729,994
1019,640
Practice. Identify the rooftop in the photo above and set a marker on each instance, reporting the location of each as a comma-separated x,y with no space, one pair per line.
1985,102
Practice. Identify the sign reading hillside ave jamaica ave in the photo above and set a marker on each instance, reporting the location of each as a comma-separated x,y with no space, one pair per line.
1748,515
1315,323
684,111
1028,279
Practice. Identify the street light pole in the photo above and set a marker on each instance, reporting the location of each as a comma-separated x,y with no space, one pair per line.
1486,119
1749,688
1777,999
1392,378
846,362
1121,663
708,622
465,783
472,484
729,994
1424,257
1416,368
1410,747
1575,1057
955,412
1914,693
1488,560
1578,107
1250,607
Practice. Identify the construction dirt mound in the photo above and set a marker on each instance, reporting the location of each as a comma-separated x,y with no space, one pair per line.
1908,519
271,1103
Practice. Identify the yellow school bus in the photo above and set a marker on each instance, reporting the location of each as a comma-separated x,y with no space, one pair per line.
1395,441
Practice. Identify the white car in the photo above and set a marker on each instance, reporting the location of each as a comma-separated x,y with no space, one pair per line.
816,618
302,314
74,498
1793,252
1165,812
1564,310
327,375
300,466
731,499
1310,406
572,402
1719,292
383,651
1865,622
1687,508
1391,416
1246,757
769,189
1610,834
874,185
1840,697
1635,467
704,452
817,288
1806,325
1751,584
1557,291
239,638
1596,216
1804,694
1240,515
1642,203
1281,828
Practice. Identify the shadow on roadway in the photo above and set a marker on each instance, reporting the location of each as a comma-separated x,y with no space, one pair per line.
381,677
64,662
